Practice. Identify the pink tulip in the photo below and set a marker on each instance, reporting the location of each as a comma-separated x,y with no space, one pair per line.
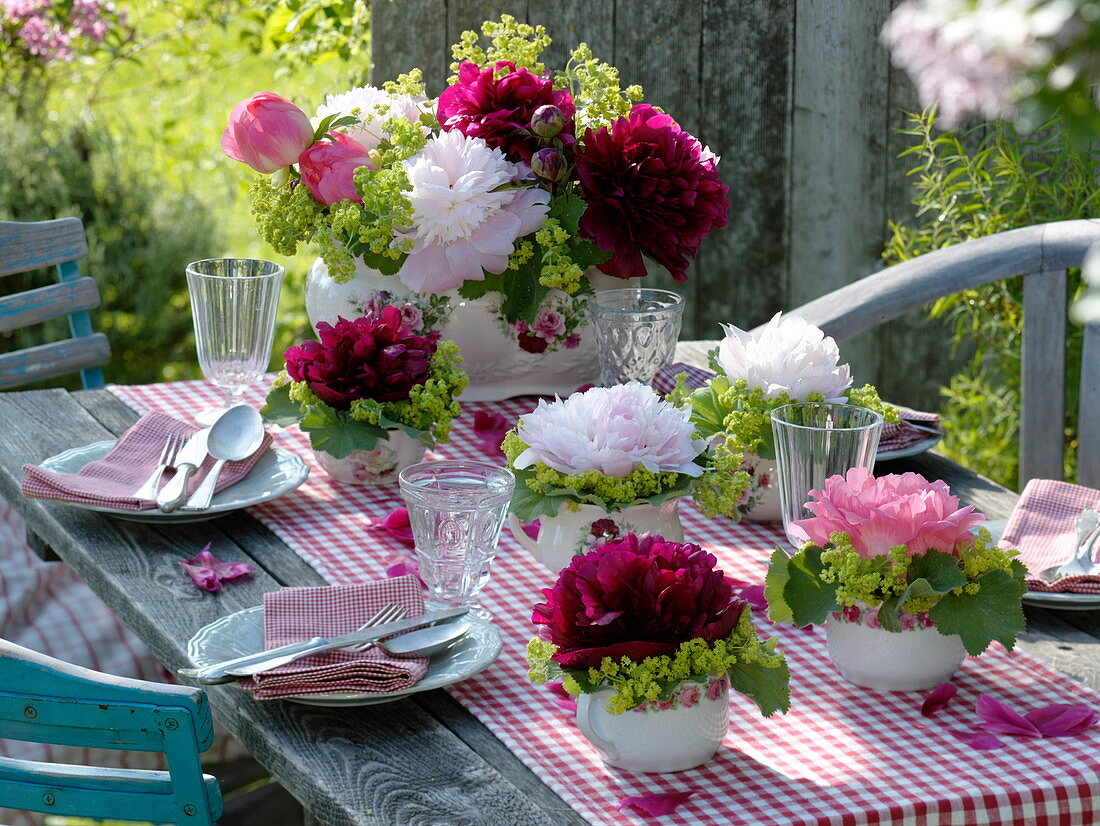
328,168
266,132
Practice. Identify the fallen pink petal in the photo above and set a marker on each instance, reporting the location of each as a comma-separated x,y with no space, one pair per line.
569,705
754,596
982,740
208,572
490,429
398,565
938,699
998,717
396,524
655,804
1063,719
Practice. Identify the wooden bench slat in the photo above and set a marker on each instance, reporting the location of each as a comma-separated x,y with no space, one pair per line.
29,246
38,305
1088,422
1043,378
57,358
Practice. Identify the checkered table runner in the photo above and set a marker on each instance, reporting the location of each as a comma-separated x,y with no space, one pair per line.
843,755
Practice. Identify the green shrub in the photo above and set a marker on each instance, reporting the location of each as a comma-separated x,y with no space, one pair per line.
976,183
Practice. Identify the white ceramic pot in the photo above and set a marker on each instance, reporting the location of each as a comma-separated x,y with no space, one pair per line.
497,366
378,466
761,502
917,659
573,532
650,739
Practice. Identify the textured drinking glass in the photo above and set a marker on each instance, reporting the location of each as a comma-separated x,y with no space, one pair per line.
456,509
814,441
233,303
636,332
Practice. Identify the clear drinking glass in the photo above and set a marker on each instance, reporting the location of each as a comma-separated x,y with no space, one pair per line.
456,509
814,441
636,332
233,304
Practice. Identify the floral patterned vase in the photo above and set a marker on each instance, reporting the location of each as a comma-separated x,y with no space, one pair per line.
761,499
556,355
672,736
379,466
573,532
917,659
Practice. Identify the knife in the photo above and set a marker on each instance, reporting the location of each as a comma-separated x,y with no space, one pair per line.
251,664
173,494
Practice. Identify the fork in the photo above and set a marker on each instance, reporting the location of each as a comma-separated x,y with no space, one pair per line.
398,613
167,459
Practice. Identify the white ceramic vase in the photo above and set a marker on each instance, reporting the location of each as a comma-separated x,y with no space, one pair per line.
498,368
761,502
573,532
378,466
916,659
681,736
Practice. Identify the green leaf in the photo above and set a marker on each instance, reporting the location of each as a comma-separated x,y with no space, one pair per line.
529,506
279,408
707,412
811,600
336,433
769,688
585,254
383,263
477,289
931,574
567,211
774,585
994,613
524,294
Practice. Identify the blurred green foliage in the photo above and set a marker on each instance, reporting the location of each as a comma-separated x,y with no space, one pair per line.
970,184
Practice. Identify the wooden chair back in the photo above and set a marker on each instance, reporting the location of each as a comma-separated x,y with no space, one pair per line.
44,700
29,246
1042,253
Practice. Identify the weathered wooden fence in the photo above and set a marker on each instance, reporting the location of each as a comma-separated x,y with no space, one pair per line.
798,98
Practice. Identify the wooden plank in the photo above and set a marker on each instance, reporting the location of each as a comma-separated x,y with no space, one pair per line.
1088,422
28,246
468,15
572,22
1043,378
38,305
58,358
407,35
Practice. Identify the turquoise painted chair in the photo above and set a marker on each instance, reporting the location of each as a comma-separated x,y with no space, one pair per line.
47,701
30,246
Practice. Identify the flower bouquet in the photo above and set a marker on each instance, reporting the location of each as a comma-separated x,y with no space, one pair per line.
608,461
787,360
372,395
650,627
502,191
906,585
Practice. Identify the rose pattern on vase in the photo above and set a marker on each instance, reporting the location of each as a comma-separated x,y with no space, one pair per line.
916,659
378,466
675,735
760,502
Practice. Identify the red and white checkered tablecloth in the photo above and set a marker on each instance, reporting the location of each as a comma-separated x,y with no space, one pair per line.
842,755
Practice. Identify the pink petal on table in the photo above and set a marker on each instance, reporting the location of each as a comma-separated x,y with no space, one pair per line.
978,739
558,690
396,524
569,705
998,717
208,572
655,804
754,596
1062,719
938,699
490,429
398,565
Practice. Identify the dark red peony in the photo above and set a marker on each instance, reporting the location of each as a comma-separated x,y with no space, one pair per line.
651,188
373,357
636,597
496,104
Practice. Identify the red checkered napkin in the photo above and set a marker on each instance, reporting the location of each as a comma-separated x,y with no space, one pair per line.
111,481
906,432
294,614
666,377
1042,528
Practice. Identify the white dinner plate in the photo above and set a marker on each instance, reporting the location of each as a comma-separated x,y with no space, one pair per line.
275,473
242,633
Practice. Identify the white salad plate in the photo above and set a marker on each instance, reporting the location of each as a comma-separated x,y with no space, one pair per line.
275,473
242,633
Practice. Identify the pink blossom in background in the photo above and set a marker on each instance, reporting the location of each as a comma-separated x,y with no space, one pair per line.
328,168
267,132
884,512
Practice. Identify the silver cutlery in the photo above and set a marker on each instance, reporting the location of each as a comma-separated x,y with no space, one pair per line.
1081,564
150,486
427,641
173,494
251,664
236,435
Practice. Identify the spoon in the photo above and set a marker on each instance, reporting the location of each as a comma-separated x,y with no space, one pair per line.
1081,564
234,436
426,641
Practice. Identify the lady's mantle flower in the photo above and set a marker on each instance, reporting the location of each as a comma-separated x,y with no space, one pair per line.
788,355
462,228
613,430
373,107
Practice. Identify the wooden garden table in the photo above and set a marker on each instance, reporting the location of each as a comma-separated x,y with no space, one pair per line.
420,760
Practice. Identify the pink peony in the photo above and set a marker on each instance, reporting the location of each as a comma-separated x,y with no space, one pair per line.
880,514
497,103
373,357
651,188
266,132
636,597
328,168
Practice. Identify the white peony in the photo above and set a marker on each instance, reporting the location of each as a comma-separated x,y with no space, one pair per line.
462,228
610,429
365,103
788,354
